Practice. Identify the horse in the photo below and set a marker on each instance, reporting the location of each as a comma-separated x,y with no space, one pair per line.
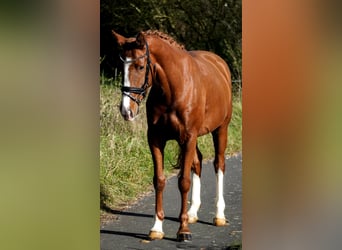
189,95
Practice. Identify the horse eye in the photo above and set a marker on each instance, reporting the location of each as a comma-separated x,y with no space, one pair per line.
141,67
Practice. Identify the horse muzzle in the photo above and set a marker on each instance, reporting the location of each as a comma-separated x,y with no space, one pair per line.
127,113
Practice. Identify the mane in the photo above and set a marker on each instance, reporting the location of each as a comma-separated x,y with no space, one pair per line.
165,37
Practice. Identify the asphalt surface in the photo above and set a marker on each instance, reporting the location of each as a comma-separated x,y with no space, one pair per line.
131,227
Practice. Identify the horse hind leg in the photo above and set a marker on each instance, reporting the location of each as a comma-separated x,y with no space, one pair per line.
220,143
196,187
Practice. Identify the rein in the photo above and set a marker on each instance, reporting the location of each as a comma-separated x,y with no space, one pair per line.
127,91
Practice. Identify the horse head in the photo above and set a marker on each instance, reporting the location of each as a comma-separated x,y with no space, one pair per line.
135,81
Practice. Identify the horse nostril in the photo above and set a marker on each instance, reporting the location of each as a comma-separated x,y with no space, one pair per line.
127,114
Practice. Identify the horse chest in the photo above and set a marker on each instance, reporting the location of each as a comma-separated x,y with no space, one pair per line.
169,125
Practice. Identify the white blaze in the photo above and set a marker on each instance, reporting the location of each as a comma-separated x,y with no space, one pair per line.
126,99
195,196
220,204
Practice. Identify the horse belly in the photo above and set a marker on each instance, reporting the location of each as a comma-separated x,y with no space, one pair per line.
208,127
214,117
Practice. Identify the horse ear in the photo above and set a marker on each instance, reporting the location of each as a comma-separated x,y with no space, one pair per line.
140,40
119,38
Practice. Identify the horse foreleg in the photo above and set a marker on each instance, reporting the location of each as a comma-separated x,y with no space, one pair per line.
157,150
196,187
184,181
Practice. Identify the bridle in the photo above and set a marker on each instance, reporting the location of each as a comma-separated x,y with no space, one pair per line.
127,91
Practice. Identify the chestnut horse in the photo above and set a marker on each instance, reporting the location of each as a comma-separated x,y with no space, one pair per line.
189,96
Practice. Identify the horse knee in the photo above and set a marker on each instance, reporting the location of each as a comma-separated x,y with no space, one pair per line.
159,183
184,184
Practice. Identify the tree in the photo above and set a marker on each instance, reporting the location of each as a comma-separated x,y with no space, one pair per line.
213,25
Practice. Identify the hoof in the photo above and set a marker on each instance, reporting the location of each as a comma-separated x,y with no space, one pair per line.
192,220
154,235
185,237
219,222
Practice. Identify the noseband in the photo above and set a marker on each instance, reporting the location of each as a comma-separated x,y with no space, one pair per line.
127,91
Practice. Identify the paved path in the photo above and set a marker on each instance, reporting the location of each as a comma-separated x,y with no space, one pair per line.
131,228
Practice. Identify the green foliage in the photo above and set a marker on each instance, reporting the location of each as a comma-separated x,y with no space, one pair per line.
213,25
126,168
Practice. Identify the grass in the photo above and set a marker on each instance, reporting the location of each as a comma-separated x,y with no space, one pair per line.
126,168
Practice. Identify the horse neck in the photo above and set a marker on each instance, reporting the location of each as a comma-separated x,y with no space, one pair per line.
163,51
168,60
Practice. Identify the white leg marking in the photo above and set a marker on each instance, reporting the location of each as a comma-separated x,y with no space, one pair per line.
220,204
126,99
195,196
158,225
